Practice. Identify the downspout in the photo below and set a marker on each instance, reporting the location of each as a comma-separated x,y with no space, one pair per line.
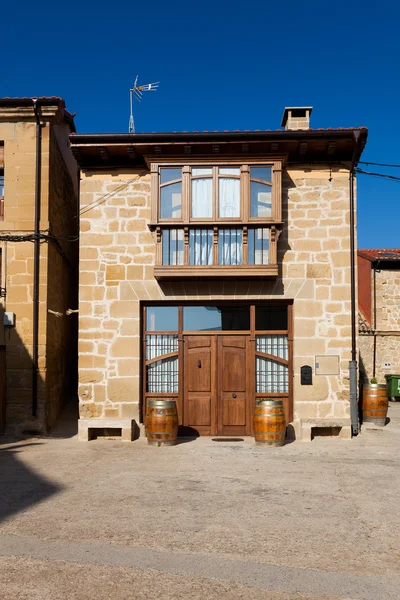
374,266
353,362
36,261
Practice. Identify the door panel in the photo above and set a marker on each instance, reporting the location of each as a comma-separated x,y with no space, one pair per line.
233,383
200,383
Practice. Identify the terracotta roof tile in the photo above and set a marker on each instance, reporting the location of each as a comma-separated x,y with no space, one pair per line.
374,254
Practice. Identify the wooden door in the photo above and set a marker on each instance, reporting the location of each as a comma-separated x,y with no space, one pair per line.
233,385
200,383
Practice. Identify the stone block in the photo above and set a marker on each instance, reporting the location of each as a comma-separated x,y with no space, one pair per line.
318,271
115,272
87,426
122,389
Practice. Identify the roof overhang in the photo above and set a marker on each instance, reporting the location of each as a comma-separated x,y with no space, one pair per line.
127,150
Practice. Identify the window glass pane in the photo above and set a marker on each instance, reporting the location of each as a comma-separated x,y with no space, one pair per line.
172,247
202,198
170,175
171,201
272,376
201,172
162,318
260,200
263,173
271,318
229,171
258,246
1,185
201,246
214,318
229,198
230,245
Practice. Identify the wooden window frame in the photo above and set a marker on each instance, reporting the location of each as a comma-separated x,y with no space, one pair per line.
245,221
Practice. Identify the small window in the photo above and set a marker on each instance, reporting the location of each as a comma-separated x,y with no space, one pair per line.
271,318
1,196
162,318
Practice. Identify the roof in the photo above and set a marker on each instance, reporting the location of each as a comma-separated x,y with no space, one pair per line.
26,101
380,254
303,146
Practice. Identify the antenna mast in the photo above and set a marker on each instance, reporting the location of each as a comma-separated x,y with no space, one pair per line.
136,91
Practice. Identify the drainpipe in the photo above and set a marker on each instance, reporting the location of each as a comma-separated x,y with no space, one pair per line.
36,260
353,362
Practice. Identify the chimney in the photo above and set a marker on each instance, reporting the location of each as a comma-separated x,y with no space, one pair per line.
296,117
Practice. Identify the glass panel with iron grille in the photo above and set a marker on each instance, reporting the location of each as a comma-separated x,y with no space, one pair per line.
171,201
200,247
230,246
1,185
258,246
172,247
162,375
272,376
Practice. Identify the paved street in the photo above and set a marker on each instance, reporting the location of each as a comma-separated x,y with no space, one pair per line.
203,519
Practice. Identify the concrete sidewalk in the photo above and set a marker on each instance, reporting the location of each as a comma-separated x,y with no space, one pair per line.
202,519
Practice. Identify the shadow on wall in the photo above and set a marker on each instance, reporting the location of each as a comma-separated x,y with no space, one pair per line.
16,398
20,486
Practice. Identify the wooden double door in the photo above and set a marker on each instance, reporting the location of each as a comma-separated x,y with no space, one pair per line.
218,383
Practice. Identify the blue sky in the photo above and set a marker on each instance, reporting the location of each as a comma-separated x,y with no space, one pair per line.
222,65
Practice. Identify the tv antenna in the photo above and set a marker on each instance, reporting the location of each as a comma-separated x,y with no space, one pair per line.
137,92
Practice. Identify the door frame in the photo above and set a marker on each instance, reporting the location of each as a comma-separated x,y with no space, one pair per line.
178,397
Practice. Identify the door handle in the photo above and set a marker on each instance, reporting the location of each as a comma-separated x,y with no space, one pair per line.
199,364
234,396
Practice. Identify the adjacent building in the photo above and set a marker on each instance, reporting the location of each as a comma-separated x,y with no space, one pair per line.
379,308
39,260
214,270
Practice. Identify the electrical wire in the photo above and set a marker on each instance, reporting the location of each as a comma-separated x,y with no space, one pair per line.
381,175
375,164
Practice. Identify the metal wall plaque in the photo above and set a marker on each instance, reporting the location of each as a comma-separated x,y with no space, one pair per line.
327,365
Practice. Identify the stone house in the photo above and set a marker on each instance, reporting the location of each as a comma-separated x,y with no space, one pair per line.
39,260
215,269
379,312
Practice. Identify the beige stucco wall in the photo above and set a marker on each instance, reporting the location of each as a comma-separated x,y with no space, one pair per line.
117,253
19,138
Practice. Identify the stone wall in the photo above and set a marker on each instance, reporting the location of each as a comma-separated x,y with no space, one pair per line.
19,198
117,254
387,320
62,332
19,139
388,299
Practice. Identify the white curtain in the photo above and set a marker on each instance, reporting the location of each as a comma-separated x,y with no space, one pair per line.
229,197
230,244
201,246
202,198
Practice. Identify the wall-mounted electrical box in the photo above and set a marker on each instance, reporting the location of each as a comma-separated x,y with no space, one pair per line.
9,319
386,365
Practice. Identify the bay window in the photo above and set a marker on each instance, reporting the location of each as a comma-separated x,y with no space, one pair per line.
216,220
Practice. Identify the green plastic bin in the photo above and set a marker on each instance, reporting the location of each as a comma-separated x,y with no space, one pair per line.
393,386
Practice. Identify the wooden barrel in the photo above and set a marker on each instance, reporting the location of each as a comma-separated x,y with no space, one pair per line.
269,422
161,423
375,404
